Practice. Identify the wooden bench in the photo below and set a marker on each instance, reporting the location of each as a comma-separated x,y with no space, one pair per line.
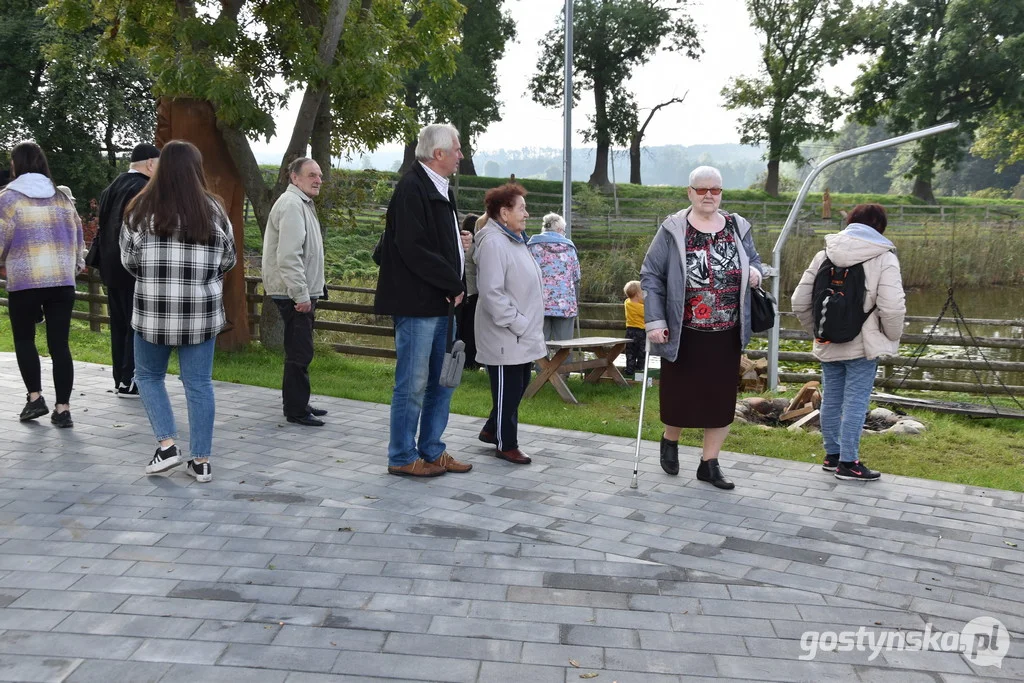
607,349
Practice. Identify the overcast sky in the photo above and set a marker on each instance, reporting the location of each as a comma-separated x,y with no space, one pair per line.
731,48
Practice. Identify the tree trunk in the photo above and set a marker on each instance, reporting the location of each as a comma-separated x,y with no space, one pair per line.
924,169
409,158
108,138
771,183
599,178
634,159
320,140
466,165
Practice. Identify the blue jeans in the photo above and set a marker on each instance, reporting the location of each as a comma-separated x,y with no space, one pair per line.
844,403
418,398
196,364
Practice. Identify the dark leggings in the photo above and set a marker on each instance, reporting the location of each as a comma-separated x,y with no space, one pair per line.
24,307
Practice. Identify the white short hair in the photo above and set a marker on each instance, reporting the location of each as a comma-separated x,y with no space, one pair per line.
433,137
705,173
553,222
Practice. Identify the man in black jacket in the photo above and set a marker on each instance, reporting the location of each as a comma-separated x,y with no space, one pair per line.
422,263
105,254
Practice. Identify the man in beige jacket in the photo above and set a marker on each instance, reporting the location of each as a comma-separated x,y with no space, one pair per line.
293,276
848,369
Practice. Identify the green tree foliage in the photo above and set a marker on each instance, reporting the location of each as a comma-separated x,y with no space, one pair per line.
1001,137
53,90
866,172
468,98
789,103
937,61
610,39
247,58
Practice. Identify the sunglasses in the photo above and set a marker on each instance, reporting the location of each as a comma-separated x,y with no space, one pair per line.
715,191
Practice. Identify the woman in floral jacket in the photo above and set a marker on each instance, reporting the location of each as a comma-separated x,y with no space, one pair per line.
560,267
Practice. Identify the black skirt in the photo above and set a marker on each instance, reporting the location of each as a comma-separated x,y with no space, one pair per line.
699,388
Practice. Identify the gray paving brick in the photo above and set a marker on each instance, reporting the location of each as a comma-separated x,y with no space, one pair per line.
128,625
286,658
191,673
288,560
104,671
404,666
69,600
26,669
67,645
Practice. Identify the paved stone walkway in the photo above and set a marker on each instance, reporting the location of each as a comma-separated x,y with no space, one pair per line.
304,562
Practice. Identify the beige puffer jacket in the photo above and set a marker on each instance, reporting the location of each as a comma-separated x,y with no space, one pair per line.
880,335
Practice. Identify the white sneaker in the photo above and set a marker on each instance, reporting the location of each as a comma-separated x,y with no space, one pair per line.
163,460
201,471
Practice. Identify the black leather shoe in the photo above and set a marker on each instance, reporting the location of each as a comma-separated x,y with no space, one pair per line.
316,412
308,420
709,471
670,456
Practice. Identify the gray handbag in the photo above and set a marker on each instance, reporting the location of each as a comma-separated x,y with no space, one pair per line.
454,355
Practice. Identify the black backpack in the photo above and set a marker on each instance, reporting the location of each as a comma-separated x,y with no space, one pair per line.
838,303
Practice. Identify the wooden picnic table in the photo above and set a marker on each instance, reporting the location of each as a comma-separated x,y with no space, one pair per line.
607,349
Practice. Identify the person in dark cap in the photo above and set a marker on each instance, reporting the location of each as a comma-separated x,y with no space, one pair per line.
105,255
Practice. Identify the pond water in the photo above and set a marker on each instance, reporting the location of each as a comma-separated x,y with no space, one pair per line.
994,303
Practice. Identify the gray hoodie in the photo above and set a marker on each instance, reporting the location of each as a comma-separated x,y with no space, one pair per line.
509,322
884,284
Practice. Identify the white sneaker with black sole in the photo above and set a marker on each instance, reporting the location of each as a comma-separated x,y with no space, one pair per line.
201,471
164,460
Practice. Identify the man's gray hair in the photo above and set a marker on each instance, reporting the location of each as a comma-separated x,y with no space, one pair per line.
296,166
433,137
553,223
705,173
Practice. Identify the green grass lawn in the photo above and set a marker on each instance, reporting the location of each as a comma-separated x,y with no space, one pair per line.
987,453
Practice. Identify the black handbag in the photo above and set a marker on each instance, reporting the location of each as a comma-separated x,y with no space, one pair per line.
762,310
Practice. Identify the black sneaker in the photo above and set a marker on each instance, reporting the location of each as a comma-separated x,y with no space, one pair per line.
831,462
62,419
201,471
163,460
130,390
856,471
33,409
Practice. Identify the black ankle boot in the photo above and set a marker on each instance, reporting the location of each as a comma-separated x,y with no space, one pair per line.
670,456
708,470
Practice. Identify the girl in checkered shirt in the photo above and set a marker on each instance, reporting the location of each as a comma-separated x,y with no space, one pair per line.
177,242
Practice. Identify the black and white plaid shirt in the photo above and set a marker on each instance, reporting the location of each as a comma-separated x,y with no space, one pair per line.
179,288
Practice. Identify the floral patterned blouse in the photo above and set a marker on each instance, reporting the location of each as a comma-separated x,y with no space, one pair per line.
560,270
713,278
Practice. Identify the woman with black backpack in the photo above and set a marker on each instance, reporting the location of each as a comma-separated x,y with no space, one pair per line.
851,301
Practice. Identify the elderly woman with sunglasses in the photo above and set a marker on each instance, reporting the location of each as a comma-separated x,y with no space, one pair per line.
697,277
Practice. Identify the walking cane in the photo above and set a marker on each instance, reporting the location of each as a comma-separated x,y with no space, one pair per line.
640,424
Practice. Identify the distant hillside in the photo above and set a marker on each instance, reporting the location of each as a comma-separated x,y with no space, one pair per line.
665,165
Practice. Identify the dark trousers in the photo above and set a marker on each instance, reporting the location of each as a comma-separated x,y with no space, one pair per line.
120,303
298,354
636,351
508,382
466,316
23,308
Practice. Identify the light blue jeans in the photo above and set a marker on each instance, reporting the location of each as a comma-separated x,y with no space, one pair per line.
418,398
196,364
844,404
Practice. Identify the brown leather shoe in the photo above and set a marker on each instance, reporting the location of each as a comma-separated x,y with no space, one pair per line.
514,455
450,464
487,437
417,468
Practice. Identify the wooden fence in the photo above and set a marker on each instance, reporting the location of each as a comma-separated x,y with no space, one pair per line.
372,329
